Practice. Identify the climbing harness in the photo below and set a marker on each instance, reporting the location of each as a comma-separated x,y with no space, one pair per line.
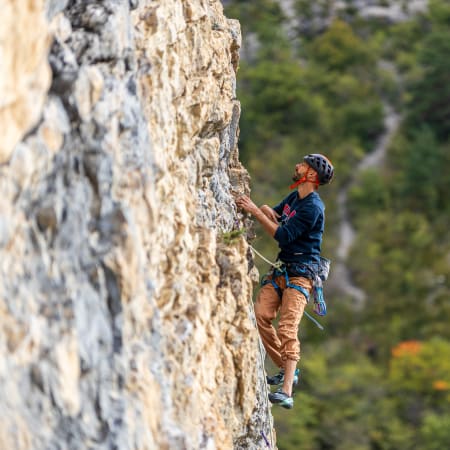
321,274
269,278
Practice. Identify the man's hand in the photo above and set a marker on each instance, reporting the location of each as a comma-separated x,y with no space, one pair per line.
269,223
270,213
247,204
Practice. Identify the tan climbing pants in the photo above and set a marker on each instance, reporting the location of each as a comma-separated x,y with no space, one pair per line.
281,344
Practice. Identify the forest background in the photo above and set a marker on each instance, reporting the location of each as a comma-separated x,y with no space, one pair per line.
378,377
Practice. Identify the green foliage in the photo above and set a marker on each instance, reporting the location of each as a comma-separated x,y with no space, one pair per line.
231,237
290,109
323,92
339,48
264,19
439,13
422,369
392,260
276,95
430,95
362,119
296,429
308,12
368,195
402,39
419,375
422,168
435,431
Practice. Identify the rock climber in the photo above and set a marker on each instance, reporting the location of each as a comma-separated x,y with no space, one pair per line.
297,224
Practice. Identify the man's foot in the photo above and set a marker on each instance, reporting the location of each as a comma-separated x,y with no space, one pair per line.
278,379
281,398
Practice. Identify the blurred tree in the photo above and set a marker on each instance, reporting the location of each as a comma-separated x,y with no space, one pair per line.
368,195
430,95
339,48
420,375
323,93
421,170
435,431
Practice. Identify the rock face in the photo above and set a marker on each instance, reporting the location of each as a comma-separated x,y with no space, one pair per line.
126,319
24,73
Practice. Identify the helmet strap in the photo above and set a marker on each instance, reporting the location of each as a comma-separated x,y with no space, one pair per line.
297,183
304,179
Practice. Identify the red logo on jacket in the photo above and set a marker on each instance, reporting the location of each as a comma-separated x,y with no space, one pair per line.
287,213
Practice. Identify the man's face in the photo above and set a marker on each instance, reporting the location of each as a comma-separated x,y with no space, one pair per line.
300,171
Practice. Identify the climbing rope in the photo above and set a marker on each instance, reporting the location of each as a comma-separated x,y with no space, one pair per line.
311,318
278,265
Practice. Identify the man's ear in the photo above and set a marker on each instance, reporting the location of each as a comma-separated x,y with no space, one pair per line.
312,175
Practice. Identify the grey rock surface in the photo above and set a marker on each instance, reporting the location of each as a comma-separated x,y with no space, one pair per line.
126,321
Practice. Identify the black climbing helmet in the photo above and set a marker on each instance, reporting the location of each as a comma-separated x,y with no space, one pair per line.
322,165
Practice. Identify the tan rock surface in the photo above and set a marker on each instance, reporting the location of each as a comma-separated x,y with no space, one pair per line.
125,318
24,70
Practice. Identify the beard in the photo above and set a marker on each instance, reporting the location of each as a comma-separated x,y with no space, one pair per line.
297,176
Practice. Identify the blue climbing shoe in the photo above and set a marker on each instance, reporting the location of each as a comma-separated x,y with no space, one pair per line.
281,398
278,379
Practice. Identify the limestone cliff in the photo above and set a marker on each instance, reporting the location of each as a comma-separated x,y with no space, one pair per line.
125,317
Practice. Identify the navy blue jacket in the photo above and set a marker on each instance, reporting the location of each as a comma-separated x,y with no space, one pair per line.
301,228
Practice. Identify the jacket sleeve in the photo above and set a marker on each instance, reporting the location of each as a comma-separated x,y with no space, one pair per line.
299,224
279,208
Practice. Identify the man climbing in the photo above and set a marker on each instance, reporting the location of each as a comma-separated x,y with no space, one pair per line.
297,224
